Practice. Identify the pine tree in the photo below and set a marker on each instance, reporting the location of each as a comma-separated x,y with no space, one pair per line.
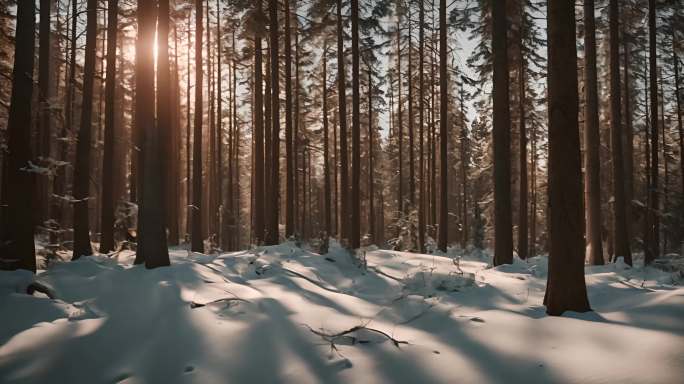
565,289
82,246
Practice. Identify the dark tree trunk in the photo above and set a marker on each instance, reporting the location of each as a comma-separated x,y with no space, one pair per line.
152,248
326,149
108,199
342,105
411,119
196,234
355,235
82,246
503,221
259,179
272,233
653,238
592,162
44,118
188,141
522,209
621,240
421,128
443,127
680,128
173,150
289,155
399,129
464,173
565,289
371,165
17,250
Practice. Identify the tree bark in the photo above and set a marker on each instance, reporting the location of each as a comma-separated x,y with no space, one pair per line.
272,233
421,128
289,158
152,247
17,250
108,199
621,241
82,246
197,225
565,289
443,124
592,162
503,221
342,106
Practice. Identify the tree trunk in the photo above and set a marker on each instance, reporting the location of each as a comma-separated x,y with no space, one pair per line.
443,126
326,147
342,105
503,221
399,129
289,194
152,248
371,164
565,289
44,120
421,128
680,128
108,199
17,250
621,240
82,245
592,162
355,235
197,230
272,233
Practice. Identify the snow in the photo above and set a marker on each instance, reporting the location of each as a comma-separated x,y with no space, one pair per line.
280,314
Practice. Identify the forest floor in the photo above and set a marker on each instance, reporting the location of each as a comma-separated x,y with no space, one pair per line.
285,314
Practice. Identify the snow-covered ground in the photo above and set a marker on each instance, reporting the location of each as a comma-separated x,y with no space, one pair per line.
282,314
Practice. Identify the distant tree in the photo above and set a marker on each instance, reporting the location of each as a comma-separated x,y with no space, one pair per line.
197,231
592,176
653,225
443,124
272,232
82,246
620,238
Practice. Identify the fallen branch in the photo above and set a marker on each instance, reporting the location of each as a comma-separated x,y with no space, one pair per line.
194,304
312,281
331,337
40,287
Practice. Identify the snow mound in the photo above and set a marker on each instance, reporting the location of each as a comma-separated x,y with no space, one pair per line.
286,314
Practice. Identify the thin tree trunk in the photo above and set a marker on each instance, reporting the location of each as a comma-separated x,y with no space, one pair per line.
565,289
400,125
326,144
522,209
503,222
289,194
197,225
653,249
371,165
592,162
464,172
82,245
421,128
342,105
44,120
621,241
443,127
272,233
108,199
17,250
